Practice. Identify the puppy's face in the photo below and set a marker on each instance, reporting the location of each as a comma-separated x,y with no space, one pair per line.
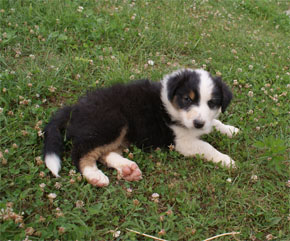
196,98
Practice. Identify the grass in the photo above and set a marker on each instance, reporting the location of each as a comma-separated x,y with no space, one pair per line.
51,52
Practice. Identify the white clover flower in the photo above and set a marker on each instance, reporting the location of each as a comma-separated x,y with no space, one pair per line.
269,237
79,204
251,67
51,196
72,173
78,76
250,93
57,185
80,9
129,190
134,16
151,62
61,230
116,234
254,178
229,180
29,231
42,185
250,112
51,88
155,195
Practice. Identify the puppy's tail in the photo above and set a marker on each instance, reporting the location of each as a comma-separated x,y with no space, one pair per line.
53,139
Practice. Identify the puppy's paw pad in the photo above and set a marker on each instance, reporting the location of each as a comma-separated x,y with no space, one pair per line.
130,172
97,178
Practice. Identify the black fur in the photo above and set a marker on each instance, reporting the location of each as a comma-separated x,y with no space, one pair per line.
53,139
180,86
222,94
98,118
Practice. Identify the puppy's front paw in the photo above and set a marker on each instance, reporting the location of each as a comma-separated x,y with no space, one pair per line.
228,162
231,131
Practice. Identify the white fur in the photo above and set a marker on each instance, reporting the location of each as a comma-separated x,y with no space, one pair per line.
225,129
93,173
53,163
187,143
116,161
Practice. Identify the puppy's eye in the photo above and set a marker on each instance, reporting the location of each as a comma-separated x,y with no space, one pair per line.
187,100
212,104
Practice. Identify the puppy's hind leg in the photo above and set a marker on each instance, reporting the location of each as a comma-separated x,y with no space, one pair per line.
88,168
126,169
95,176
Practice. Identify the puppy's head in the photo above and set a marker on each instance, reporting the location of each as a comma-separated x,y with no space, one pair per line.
194,98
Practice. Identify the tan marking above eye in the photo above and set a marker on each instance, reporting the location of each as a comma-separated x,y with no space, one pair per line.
191,95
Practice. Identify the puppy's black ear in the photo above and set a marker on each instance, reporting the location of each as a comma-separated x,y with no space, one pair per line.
226,93
172,85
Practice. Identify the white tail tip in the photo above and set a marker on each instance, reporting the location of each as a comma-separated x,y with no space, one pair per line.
53,163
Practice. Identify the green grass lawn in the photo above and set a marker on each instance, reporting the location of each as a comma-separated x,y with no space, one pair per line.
53,51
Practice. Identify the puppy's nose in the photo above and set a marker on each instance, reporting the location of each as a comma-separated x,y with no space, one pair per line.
198,124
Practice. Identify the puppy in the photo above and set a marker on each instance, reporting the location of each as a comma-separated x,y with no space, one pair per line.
177,110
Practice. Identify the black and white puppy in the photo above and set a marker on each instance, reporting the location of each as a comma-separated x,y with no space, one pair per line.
177,110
